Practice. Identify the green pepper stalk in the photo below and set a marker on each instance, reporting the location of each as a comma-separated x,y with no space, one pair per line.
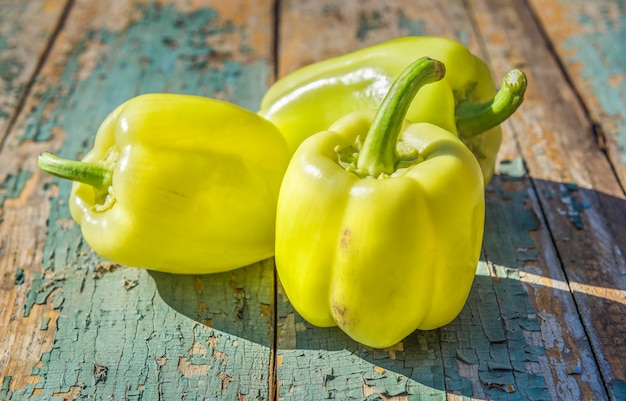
379,155
98,175
382,236
177,183
475,118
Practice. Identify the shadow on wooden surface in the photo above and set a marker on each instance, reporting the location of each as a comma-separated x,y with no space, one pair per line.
495,347
236,302
504,339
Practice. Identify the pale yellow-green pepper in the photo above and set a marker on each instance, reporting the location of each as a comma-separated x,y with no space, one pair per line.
178,183
380,221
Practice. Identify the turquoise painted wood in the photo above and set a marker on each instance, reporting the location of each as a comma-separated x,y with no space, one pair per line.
544,319
122,333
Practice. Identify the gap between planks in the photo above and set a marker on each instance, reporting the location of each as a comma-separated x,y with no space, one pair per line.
273,371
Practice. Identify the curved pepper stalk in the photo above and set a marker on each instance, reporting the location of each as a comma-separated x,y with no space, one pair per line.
378,155
475,118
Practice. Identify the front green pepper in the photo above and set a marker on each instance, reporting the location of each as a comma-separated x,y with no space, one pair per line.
381,236
310,99
178,183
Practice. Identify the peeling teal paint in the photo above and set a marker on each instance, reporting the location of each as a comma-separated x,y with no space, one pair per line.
164,52
326,364
12,185
572,207
601,57
411,27
369,22
13,64
10,68
490,332
618,388
154,329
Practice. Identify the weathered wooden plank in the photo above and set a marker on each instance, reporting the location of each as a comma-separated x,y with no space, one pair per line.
575,187
26,28
589,38
352,25
505,344
74,325
568,365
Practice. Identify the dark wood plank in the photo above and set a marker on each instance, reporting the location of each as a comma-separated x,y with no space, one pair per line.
75,325
589,39
575,186
26,28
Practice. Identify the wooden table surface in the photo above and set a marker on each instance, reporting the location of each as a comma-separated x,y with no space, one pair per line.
546,317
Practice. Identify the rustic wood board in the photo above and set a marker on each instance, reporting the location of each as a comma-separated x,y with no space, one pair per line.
74,325
589,39
546,315
26,30
574,183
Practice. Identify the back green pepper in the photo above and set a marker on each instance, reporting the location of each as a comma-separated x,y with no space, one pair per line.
310,99
178,183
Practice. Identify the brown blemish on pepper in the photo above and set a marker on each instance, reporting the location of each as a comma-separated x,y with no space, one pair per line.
340,315
346,239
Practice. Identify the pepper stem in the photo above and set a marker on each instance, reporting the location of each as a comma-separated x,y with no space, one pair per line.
97,175
378,154
475,118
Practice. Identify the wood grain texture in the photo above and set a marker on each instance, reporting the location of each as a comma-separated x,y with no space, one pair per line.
575,186
589,39
26,29
77,326
351,25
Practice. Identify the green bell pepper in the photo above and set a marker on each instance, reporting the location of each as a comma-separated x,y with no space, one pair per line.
177,183
381,236
310,99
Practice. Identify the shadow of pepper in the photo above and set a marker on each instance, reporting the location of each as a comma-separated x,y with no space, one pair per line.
492,349
238,302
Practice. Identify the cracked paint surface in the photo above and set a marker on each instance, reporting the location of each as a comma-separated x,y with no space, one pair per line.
109,316
492,350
